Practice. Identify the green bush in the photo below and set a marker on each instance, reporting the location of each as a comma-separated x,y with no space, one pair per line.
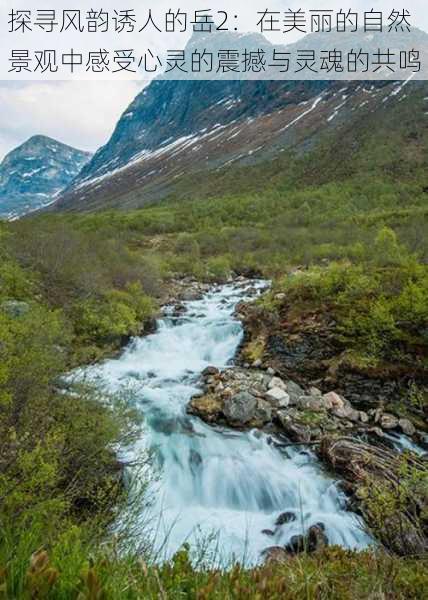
219,268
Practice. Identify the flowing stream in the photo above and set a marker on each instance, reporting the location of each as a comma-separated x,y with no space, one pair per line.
217,484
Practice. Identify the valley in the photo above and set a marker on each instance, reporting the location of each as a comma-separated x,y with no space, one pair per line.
238,282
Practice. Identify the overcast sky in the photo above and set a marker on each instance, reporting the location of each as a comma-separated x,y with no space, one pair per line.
82,114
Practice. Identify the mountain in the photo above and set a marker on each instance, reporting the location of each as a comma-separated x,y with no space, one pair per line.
178,131
35,172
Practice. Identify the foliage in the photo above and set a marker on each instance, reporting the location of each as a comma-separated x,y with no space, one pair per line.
65,573
398,508
380,311
356,230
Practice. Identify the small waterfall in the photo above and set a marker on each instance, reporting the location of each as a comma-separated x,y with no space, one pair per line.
214,482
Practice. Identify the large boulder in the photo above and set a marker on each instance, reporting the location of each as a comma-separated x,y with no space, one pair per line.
294,391
297,544
207,407
369,470
278,397
285,517
317,539
209,371
240,409
263,412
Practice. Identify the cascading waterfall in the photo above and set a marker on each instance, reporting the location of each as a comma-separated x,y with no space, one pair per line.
213,482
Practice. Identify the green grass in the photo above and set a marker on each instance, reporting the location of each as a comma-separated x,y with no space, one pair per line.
357,227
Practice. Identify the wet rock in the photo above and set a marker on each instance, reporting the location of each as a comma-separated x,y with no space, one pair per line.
317,539
274,554
207,407
407,427
210,371
240,409
278,397
195,458
297,543
178,310
388,421
150,326
285,517
268,532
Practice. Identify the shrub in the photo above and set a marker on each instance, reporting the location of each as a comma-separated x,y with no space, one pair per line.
219,268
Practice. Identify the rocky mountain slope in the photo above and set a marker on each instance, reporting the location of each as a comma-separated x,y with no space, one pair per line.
174,130
35,172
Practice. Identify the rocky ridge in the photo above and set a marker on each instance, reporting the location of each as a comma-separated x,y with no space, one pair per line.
34,173
253,396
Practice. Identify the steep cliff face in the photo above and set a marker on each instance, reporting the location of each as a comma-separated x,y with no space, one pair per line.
174,129
35,172
168,111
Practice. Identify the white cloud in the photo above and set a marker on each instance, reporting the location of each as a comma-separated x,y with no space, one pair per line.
82,114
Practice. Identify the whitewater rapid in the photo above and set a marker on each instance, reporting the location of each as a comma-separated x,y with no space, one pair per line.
215,487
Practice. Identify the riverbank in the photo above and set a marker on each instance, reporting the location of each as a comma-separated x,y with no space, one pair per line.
58,570
362,447
79,313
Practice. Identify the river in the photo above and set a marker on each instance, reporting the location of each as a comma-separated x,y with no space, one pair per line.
216,484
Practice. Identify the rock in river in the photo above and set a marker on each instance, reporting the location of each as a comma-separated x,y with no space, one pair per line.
240,408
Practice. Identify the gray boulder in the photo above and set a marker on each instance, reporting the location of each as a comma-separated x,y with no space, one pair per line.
240,409
294,391
263,412
276,382
278,397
